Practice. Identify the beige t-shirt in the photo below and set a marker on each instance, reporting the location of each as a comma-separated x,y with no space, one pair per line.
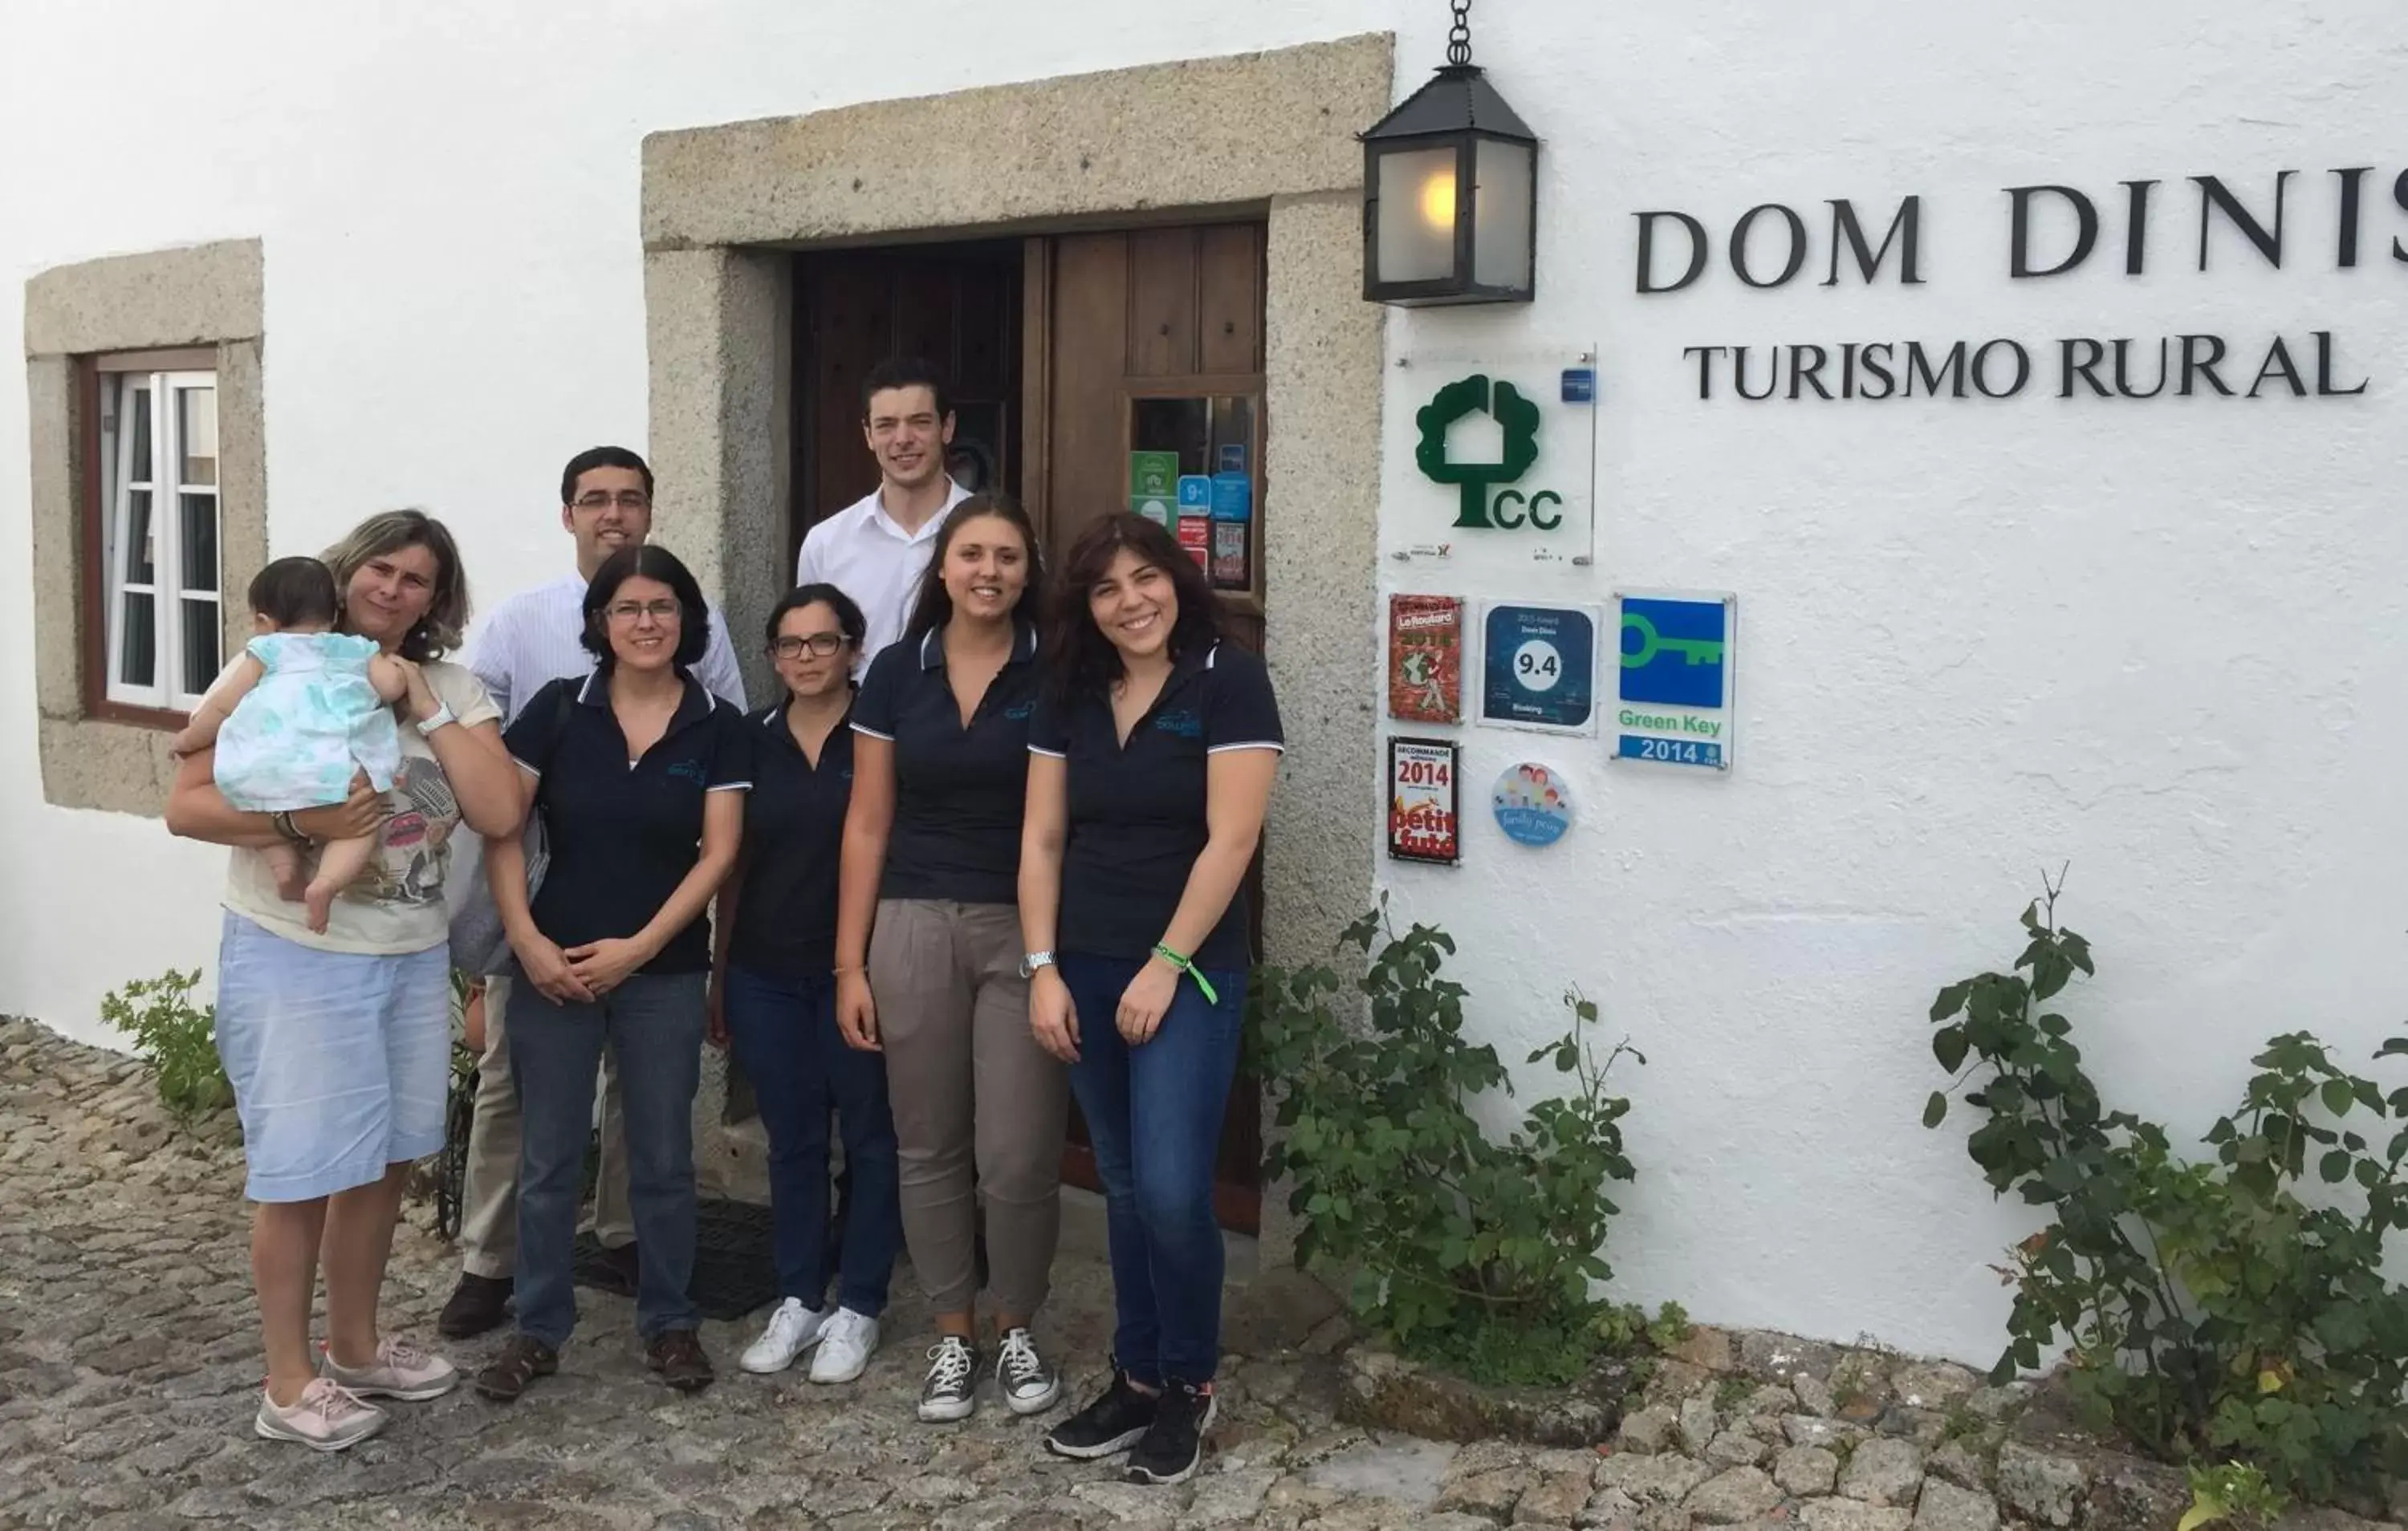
395,906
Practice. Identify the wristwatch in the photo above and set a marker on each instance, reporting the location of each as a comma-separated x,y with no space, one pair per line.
443,714
281,822
1035,960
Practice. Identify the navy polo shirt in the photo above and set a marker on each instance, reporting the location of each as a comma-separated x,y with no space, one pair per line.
959,792
794,834
1137,811
622,834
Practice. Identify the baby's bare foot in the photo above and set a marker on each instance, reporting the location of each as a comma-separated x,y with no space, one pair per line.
320,898
291,886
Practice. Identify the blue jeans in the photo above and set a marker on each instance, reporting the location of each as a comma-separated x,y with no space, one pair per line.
1153,1117
785,1034
654,1025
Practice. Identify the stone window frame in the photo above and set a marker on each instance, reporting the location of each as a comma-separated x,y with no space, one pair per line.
97,753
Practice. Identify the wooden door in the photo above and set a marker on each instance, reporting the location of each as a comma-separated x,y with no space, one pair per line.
957,306
1151,341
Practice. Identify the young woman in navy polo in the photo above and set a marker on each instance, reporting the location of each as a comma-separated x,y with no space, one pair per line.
775,1000
641,775
1154,750
927,949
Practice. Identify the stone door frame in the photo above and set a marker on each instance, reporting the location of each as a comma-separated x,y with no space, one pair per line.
1269,134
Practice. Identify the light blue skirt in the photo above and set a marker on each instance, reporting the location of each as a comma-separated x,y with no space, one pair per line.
339,1060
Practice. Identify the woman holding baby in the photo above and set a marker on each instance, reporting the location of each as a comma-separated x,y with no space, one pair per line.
333,1013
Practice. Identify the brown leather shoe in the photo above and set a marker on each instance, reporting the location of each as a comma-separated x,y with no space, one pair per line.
479,1303
676,1355
524,1358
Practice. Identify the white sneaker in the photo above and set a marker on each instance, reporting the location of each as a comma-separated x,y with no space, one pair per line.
792,1329
327,1417
1030,1386
844,1348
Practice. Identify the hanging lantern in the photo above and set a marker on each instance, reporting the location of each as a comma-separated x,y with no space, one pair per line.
1450,192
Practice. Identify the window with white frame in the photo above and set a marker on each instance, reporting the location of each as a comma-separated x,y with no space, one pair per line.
159,536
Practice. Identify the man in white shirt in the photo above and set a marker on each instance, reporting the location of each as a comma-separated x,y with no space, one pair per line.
531,641
876,548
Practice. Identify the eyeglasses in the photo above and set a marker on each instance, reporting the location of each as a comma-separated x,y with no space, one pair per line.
630,611
819,645
627,499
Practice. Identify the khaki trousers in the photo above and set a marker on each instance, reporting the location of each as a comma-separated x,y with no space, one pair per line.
970,1088
489,1203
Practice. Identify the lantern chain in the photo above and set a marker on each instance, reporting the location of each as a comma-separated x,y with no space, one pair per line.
1458,38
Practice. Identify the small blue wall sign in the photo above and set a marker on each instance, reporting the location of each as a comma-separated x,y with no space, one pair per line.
1533,804
1672,679
1540,669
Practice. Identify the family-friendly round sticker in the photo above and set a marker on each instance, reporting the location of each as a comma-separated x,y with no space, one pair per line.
1533,804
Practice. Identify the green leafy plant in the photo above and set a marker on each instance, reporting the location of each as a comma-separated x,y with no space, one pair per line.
175,1036
1477,1254
2209,1309
2231,1491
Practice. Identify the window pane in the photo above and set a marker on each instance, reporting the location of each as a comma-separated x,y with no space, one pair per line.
1500,241
140,471
200,541
140,557
201,631
197,437
137,656
1415,240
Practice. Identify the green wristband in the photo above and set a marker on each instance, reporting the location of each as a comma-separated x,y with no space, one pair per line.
1203,984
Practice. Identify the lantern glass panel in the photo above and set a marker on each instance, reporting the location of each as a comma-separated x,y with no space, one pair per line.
1415,237
1500,242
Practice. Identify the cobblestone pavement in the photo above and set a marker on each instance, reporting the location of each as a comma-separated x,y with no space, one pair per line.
129,1370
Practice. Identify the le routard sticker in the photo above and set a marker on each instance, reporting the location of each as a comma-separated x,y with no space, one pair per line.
1426,658
1533,804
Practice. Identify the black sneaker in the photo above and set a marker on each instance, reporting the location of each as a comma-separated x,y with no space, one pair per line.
951,1390
1029,1386
1112,1424
1174,1443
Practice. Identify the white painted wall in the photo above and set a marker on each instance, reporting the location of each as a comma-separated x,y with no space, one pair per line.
2162,640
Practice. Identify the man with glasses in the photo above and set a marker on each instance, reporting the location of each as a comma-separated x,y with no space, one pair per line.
532,639
875,549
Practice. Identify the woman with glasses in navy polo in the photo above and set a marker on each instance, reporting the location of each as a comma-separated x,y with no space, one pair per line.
775,1002
639,774
927,949
1152,754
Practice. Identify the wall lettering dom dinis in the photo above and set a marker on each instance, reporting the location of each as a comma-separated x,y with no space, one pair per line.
2050,231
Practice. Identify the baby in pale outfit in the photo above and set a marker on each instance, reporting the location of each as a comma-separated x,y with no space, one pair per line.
299,721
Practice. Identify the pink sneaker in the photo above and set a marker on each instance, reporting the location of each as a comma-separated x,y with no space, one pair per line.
401,1370
327,1417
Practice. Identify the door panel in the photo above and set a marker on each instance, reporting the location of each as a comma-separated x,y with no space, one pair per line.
1229,321
1152,339
1162,303
1086,409
956,306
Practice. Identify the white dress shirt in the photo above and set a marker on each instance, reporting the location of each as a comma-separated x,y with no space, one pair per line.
862,551
532,639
